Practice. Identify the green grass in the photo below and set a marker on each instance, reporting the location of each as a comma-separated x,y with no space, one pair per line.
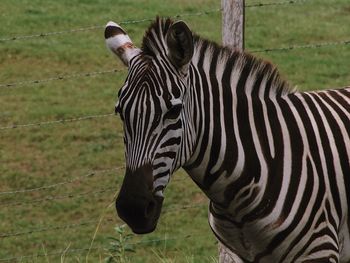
36,156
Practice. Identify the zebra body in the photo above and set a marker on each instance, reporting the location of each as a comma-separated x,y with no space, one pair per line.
274,162
291,157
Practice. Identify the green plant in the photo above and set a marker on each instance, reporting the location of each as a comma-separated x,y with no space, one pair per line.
119,246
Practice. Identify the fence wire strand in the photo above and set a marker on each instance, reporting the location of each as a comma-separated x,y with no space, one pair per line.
306,46
168,210
96,73
276,3
46,34
69,181
97,27
40,201
137,21
61,121
61,77
57,198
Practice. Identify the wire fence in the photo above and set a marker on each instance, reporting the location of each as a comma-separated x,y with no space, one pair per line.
86,176
73,195
53,122
94,221
303,46
69,181
97,73
99,27
136,21
62,77
275,3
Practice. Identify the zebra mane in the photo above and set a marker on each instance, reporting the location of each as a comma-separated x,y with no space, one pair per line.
154,43
154,39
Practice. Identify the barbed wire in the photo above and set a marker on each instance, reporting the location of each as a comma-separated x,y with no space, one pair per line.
61,121
69,181
56,198
168,210
276,3
73,196
95,27
96,73
305,46
61,77
46,34
137,21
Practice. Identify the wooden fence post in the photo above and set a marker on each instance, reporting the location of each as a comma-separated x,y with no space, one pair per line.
233,23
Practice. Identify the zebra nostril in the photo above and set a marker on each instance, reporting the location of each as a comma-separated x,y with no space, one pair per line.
150,209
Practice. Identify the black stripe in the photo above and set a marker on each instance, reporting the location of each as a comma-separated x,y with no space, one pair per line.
209,177
275,165
170,155
162,174
283,235
172,127
339,140
231,153
171,142
252,168
331,174
204,89
159,165
301,211
344,103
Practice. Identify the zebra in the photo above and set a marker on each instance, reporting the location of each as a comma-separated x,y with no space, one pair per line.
273,161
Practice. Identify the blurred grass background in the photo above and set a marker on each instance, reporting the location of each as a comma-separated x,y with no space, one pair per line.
53,219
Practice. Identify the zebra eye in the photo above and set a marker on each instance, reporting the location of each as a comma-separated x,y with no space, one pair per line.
173,112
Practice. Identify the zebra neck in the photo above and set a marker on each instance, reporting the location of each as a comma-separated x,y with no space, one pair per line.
227,89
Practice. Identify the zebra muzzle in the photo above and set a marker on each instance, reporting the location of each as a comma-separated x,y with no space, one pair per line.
136,205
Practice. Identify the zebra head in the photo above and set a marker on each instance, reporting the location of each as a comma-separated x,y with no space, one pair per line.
151,106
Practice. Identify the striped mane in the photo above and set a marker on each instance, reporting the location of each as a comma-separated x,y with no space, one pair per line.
154,43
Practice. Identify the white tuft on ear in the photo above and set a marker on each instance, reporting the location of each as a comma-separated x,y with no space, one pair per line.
120,43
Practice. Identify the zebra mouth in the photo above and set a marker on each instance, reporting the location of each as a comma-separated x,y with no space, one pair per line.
148,223
137,204
141,220
143,231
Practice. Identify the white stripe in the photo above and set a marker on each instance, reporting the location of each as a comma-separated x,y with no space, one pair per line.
287,169
266,118
264,169
219,70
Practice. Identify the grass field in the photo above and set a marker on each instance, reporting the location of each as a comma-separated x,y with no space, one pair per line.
60,223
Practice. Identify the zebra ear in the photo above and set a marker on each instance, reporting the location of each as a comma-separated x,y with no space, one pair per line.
120,43
180,45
